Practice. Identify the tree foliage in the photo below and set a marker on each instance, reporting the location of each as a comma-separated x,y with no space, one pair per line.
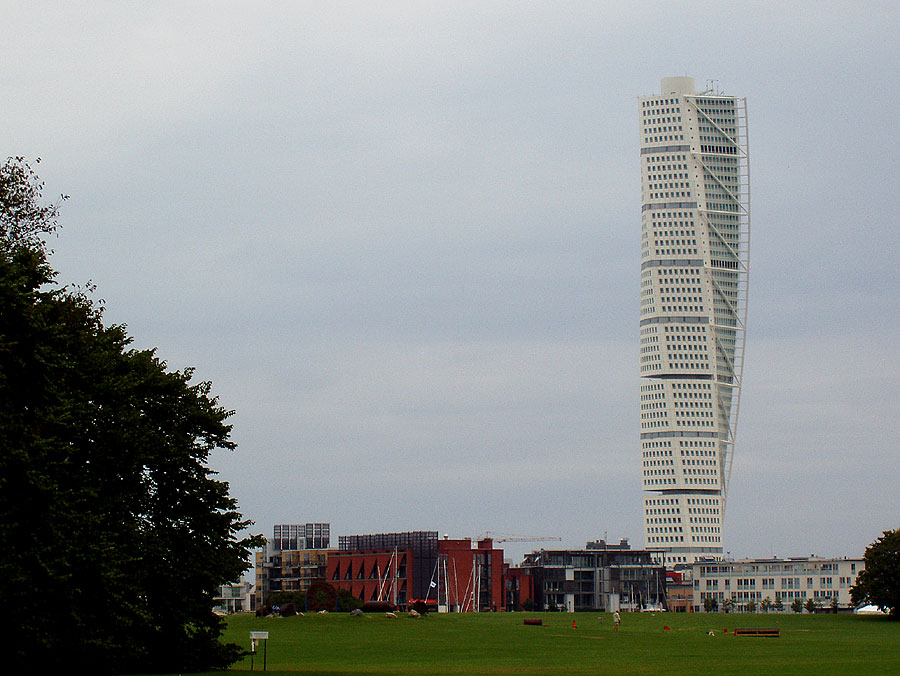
281,598
114,533
24,219
879,582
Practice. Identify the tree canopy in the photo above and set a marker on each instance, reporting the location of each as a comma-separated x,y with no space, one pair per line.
114,531
879,583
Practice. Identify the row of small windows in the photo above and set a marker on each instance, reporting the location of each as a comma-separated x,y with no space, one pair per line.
666,185
657,444
651,388
675,233
679,289
718,149
659,130
656,454
698,470
660,502
708,105
704,529
693,414
674,339
650,112
691,395
664,529
674,242
688,227
717,119
691,386
666,277
674,252
663,162
665,520
665,138
714,137
682,308
680,299
685,443
670,192
650,103
663,215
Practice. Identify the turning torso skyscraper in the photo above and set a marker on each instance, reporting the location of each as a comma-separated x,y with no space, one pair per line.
695,236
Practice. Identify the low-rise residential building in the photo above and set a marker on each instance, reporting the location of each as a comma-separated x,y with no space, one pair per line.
235,597
601,577
679,592
774,584
519,583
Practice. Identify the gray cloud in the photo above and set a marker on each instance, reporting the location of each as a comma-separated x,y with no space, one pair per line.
403,243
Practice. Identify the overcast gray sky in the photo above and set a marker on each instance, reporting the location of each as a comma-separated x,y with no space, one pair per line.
403,241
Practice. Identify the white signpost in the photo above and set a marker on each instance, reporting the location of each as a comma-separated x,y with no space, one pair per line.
255,638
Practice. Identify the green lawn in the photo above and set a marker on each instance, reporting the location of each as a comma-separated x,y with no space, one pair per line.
501,644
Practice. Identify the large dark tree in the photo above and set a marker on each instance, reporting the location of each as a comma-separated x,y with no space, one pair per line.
114,532
879,583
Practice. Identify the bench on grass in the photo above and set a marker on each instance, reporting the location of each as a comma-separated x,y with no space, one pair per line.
757,631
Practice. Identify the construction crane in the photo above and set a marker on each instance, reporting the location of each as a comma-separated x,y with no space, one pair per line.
506,537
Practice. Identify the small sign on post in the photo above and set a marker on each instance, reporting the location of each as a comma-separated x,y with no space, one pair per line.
255,638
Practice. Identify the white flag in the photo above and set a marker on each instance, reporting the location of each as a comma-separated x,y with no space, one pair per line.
433,585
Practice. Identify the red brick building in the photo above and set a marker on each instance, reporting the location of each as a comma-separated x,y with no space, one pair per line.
519,584
381,575
405,567
470,579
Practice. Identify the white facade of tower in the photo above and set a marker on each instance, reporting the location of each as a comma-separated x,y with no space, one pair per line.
695,237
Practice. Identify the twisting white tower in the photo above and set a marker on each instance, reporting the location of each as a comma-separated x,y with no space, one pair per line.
695,237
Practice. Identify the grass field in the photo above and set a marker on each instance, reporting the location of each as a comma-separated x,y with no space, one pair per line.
500,643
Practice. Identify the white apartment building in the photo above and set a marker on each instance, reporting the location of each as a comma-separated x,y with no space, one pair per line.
695,232
784,580
235,597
